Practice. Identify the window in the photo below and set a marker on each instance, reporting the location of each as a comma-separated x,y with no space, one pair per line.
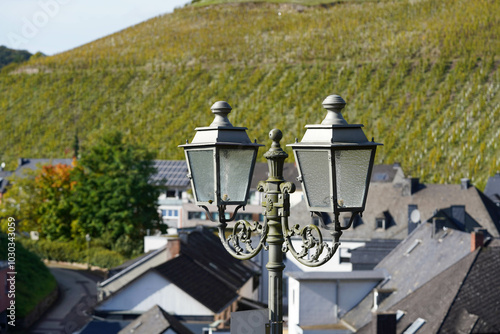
171,194
380,223
197,215
170,213
216,215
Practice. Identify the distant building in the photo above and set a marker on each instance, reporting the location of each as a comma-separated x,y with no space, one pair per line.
192,277
317,300
464,298
425,253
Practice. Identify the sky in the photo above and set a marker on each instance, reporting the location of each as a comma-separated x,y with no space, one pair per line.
54,26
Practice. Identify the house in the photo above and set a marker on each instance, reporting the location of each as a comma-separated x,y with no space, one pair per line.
425,253
492,189
465,298
202,282
123,275
173,175
317,300
155,321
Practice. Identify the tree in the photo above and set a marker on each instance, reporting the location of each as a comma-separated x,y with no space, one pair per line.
55,189
114,198
21,202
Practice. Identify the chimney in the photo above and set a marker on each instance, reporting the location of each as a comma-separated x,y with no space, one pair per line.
465,184
384,323
173,248
410,186
476,240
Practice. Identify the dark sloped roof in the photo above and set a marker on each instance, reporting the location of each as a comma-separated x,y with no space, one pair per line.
206,249
479,295
199,283
206,271
104,326
155,321
432,301
172,173
368,256
465,298
414,262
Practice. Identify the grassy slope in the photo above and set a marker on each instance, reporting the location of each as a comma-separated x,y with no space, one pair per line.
33,280
423,76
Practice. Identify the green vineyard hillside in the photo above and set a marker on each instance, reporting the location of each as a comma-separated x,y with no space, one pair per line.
422,76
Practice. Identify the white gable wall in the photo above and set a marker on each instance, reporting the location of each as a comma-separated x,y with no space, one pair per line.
318,303
323,302
153,289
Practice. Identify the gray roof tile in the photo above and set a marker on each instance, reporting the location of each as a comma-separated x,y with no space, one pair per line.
155,321
414,262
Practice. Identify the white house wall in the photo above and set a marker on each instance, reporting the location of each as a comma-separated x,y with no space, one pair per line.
317,304
323,302
153,289
352,292
293,305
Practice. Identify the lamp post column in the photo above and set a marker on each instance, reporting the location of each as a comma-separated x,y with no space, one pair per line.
276,206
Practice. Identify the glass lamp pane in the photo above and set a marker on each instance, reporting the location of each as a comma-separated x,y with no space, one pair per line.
201,163
235,168
315,169
351,167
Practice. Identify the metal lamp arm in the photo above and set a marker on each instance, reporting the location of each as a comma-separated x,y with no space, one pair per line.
239,243
310,241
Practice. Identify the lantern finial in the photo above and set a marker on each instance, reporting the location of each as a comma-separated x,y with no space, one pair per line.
334,104
221,109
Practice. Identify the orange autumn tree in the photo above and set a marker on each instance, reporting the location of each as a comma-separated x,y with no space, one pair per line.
55,187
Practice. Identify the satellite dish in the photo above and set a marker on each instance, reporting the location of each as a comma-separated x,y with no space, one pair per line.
415,216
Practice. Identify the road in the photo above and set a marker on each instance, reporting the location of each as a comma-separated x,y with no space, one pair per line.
77,297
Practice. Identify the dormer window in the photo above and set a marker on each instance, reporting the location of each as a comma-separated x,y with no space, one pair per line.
380,223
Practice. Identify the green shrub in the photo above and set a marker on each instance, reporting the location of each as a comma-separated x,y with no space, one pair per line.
74,252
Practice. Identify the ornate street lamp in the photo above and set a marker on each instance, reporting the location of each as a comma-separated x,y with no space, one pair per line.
221,159
335,161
